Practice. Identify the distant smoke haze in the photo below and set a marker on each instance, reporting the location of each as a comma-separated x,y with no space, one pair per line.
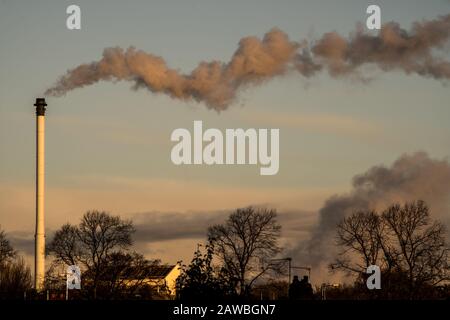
308,237
217,84
411,177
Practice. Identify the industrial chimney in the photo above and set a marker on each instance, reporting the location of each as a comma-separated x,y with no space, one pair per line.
39,250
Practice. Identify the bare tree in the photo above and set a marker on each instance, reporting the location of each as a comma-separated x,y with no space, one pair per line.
360,235
65,246
90,245
15,279
15,276
6,250
418,244
245,244
403,240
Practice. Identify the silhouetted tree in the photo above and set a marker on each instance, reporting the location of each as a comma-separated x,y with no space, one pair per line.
201,280
245,244
126,275
98,245
362,234
6,250
15,276
408,246
15,279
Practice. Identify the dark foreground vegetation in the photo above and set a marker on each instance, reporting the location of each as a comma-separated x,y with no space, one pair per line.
241,260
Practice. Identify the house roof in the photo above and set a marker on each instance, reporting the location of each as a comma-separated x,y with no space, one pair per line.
160,271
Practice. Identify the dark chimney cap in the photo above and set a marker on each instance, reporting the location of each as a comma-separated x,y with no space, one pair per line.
40,106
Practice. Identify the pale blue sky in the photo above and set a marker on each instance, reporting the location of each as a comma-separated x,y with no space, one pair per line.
108,132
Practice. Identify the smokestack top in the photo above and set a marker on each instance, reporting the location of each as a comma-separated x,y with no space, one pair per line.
40,106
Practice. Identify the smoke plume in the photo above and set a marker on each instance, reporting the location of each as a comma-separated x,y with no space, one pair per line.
411,177
217,84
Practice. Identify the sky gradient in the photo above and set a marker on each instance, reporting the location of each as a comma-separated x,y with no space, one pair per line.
108,147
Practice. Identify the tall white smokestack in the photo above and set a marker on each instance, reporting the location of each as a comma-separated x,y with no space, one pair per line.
39,251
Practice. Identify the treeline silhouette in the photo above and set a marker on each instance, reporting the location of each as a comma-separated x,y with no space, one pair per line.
15,275
240,260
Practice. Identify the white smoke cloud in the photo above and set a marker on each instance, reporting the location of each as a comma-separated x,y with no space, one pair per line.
217,84
411,177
